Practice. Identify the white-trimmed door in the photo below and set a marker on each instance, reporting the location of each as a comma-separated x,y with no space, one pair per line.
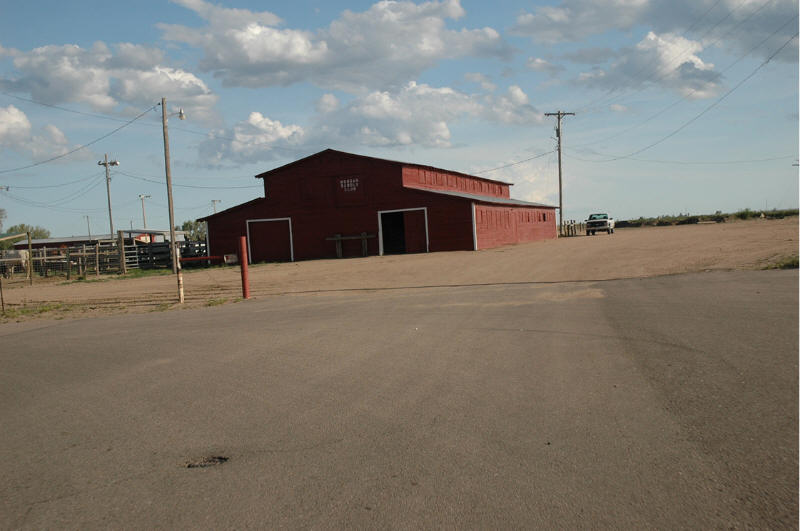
270,240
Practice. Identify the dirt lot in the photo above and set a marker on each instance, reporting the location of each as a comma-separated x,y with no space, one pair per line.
629,253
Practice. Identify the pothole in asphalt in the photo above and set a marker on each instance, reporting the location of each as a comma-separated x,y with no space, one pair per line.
209,460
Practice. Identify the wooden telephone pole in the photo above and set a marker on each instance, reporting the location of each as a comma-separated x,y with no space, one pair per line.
559,115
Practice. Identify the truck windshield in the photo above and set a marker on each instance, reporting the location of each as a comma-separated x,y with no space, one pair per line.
598,216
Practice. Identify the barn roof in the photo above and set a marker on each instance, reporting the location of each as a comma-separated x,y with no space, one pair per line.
354,155
483,198
231,209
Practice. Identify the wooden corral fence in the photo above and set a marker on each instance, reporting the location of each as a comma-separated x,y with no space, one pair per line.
572,228
92,260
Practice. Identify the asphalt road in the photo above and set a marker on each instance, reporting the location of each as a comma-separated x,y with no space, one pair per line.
656,403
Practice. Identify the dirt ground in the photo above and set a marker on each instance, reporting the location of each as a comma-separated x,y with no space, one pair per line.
629,253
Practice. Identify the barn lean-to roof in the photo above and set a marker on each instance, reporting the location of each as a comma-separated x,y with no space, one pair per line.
482,198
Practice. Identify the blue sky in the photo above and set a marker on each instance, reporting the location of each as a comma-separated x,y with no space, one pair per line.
681,105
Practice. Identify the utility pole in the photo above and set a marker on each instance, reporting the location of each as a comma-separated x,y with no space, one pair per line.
214,204
144,218
88,227
108,163
172,243
559,115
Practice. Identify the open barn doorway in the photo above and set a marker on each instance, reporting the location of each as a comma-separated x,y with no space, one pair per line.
403,231
393,233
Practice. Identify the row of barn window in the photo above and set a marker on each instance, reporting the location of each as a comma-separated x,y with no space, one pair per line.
497,218
459,183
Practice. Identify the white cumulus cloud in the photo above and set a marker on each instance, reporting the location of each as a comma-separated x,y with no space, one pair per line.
126,78
734,24
538,64
16,134
382,47
416,114
666,60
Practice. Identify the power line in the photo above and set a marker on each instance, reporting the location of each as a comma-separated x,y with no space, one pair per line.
207,134
517,162
591,107
57,185
51,159
145,179
704,111
679,100
65,109
689,162
56,205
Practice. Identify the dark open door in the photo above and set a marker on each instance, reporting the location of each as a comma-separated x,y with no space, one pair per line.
393,227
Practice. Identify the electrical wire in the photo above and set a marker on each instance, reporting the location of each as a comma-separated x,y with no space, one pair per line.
56,185
56,205
65,109
704,111
671,62
515,163
687,96
687,162
51,159
589,106
145,179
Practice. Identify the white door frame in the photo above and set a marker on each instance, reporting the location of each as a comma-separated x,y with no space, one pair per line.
291,240
474,230
380,226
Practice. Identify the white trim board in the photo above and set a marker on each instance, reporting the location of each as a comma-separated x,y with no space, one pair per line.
380,226
474,230
291,239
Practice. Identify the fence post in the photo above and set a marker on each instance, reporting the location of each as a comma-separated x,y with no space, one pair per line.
243,262
122,266
30,260
84,264
69,265
97,259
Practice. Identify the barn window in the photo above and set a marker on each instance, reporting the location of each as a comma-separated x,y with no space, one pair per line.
349,184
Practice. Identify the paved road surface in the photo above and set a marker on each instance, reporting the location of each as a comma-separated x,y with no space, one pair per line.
664,402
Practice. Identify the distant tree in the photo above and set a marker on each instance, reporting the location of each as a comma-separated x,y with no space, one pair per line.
2,217
36,234
195,230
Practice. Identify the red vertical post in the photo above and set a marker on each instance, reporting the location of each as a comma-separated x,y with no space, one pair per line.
243,262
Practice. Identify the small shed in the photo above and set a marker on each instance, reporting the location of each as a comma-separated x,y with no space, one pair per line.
341,204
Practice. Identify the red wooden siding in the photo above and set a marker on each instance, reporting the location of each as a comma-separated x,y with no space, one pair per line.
499,225
414,221
269,241
433,179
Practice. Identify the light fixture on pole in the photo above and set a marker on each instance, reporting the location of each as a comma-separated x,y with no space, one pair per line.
173,245
144,217
108,163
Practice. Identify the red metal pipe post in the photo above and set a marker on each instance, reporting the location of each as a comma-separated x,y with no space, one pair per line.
243,262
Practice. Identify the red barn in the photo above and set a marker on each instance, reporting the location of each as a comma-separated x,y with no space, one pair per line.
335,203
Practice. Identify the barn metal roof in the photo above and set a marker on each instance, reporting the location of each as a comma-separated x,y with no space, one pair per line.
483,198
401,163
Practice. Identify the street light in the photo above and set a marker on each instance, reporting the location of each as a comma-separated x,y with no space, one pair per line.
172,243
